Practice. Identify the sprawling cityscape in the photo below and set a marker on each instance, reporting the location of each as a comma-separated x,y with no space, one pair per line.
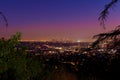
59,40
54,47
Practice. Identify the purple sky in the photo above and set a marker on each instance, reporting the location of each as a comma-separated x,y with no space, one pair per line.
56,19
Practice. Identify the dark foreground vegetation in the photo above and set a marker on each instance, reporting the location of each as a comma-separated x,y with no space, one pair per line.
88,64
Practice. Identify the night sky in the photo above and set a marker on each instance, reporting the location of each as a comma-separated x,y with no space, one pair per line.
56,19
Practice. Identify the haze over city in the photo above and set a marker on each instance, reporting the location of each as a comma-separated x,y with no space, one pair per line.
56,19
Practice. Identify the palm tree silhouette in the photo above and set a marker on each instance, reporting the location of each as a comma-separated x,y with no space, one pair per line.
105,12
113,35
4,18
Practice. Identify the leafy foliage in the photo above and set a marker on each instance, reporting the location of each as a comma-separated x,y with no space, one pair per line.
113,35
4,18
105,12
15,63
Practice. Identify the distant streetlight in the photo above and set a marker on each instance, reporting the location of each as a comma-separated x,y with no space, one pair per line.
78,41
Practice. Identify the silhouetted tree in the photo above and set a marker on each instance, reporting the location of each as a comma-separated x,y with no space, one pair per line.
114,34
4,18
105,12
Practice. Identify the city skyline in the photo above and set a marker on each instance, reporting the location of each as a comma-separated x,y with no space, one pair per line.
56,19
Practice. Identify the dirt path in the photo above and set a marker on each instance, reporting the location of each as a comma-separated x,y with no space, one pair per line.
62,74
